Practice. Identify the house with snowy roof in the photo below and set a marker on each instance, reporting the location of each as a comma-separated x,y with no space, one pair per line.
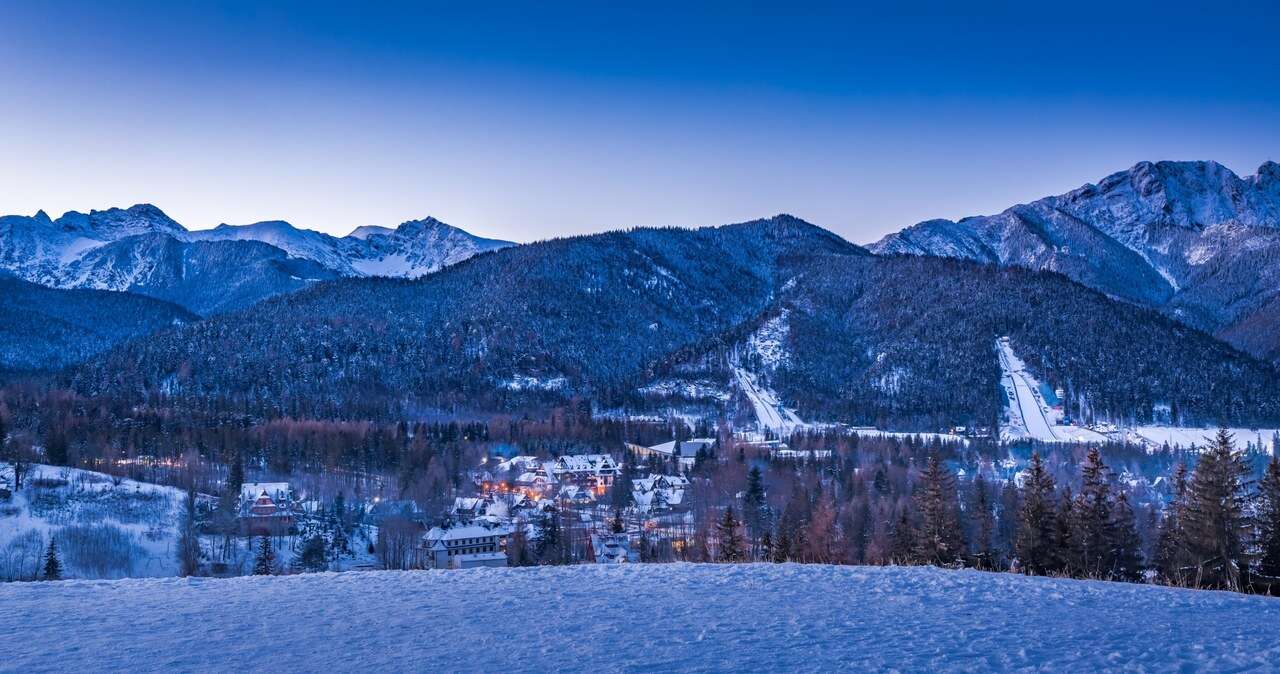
266,509
588,470
659,493
686,451
576,495
6,491
465,546
613,549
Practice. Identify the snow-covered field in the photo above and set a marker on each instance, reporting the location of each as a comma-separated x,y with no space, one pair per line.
637,618
106,527
1158,436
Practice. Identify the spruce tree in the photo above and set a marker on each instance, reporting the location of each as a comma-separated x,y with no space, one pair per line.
730,538
1066,549
1126,548
188,536
1036,521
52,565
264,564
1218,529
782,549
1172,556
902,547
984,526
939,538
753,505
1091,534
236,476
55,447
313,557
1268,518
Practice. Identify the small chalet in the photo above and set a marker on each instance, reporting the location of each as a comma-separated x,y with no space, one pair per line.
6,491
465,547
266,509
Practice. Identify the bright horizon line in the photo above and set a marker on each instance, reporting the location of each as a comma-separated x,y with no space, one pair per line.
478,231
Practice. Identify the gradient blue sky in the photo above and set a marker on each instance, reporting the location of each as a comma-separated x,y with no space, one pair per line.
528,121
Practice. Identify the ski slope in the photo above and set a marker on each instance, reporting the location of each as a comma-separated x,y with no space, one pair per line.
634,618
770,414
1029,416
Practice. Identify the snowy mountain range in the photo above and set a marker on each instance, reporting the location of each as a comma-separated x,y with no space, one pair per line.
142,250
1191,239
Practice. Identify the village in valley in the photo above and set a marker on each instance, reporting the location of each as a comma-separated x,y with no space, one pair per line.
583,508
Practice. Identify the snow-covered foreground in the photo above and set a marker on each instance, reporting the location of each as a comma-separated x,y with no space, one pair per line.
637,618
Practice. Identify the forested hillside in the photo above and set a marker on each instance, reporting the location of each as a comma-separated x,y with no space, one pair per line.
894,341
582,315
911,340
46,329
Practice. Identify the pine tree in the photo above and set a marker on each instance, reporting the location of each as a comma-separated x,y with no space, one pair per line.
1268,518
984,526
938,540
1037,553
1218,530
1066,547
549,549
766,546
235,478
264,564
1172,556
902,540
782,549
1092,535
1126,548
188,537
621,495
55,447
753,506
616,525
313,557
52,565
730,538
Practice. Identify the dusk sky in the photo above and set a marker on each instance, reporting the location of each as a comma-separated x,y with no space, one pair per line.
525,122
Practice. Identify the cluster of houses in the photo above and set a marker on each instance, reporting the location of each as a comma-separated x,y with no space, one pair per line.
524,490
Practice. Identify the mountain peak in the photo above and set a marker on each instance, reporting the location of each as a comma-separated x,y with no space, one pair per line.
116,223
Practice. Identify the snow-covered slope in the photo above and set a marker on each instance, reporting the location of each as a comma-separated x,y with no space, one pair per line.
636,618
1191,238
106,527
140,249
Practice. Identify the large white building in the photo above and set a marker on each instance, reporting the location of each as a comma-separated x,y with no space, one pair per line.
465,547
